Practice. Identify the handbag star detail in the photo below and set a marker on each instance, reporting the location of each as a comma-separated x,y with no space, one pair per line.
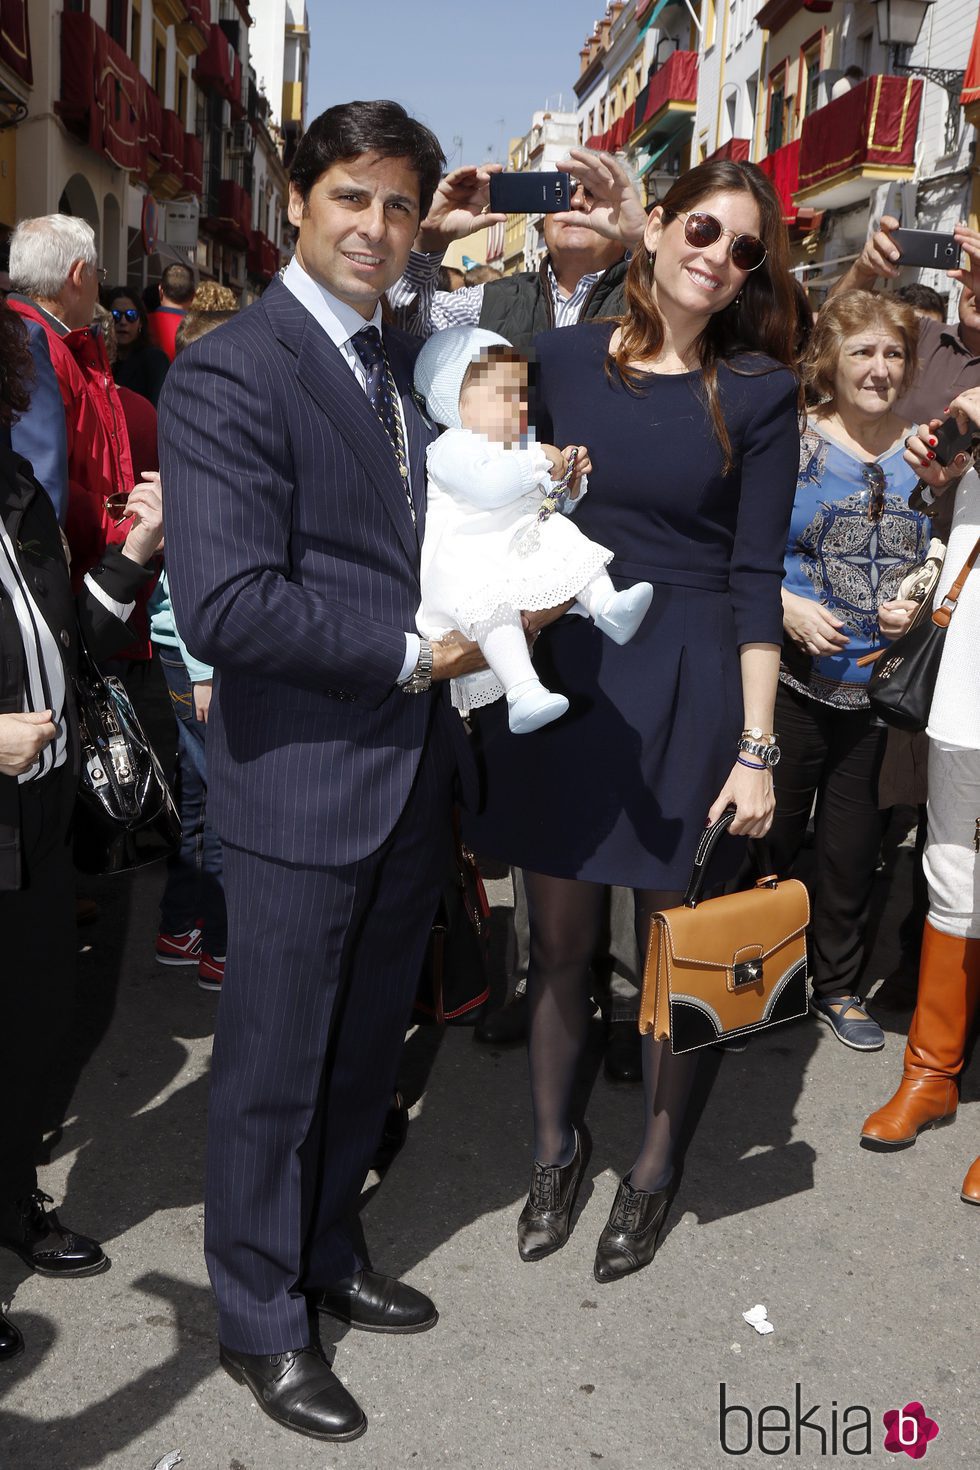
726,966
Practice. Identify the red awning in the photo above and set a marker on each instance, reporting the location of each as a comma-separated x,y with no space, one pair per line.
152,128
263,255
971,81
15,39
172,145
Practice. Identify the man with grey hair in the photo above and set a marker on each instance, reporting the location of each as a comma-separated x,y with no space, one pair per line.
75,437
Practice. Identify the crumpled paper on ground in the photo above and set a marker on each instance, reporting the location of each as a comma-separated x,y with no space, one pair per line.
169,1461
758,1318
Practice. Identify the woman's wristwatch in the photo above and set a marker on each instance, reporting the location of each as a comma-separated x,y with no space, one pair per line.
762,745
420,680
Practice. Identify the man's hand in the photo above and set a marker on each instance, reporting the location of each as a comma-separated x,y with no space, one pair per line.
880,256
969,242
812,626
459,206
22,738
535,621
453,656
616,208
202,699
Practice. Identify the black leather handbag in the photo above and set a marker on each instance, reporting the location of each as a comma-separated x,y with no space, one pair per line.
124,814
454,985
903,680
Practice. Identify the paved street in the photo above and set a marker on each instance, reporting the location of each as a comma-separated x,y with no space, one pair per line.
867,1264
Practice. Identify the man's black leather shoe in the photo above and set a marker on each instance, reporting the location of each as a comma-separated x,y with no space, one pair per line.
11,1341
44,1244
298,1390
505,1025
377,1303
623,1059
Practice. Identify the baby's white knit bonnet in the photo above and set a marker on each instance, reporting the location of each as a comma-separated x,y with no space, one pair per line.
441,367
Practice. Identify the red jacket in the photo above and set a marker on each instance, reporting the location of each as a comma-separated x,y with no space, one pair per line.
99,457
163,324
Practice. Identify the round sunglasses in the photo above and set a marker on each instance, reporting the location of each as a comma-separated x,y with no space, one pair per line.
129,315
701,230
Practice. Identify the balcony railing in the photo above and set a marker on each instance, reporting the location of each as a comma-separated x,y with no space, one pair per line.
782,166
863,138
263,256
194,32
101,99
15,40
736,150
669,99
219,69
233,222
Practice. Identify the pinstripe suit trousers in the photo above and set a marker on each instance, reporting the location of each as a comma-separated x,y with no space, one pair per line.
321,973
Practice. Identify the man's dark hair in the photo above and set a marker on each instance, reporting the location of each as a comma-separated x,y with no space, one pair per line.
923,298
353,128
177,283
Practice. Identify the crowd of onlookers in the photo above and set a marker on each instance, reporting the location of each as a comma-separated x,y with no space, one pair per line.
83,366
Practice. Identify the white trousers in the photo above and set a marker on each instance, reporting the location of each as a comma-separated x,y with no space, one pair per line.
951,861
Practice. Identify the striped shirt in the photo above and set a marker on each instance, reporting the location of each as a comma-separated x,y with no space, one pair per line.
421,309
44,669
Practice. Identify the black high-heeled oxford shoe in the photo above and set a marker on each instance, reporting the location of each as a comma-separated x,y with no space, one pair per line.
629,1241
543,1224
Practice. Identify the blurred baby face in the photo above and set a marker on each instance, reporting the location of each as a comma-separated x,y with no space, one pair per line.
493,400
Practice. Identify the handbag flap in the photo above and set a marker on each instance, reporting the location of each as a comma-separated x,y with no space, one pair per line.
721,932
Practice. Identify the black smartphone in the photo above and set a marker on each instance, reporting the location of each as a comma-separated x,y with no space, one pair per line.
951,441
533,193
928,248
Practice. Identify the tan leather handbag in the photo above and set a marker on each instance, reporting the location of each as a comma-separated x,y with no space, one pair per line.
727,966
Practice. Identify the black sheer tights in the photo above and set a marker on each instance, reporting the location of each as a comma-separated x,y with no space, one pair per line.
566,916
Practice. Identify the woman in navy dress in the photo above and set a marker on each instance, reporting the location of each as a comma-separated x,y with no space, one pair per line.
689,412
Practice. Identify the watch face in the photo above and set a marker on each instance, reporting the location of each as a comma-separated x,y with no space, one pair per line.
771,756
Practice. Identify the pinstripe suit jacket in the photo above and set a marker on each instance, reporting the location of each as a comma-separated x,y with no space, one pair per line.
294,566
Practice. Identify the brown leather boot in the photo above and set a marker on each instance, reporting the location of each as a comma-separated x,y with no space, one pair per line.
949,989
971,1184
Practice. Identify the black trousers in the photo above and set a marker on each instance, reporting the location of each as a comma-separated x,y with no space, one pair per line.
833,755
37,974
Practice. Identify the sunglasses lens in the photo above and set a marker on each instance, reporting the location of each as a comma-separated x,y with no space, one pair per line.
748,252
701,230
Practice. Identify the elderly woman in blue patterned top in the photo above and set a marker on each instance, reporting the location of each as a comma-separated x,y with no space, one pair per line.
852,540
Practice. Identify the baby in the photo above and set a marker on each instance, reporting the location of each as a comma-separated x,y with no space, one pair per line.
496,542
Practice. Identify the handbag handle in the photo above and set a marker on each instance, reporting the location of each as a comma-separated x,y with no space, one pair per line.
707,845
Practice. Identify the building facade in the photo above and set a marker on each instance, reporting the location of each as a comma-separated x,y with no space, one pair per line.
148,119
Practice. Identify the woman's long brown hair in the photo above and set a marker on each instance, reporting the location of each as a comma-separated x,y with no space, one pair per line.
763,319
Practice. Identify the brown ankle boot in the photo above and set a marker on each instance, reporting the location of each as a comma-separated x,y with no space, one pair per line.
971,1184
949,989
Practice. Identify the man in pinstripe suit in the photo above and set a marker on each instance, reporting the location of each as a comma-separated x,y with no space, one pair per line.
293,460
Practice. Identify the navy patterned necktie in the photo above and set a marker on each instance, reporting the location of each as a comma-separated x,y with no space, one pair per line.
369,347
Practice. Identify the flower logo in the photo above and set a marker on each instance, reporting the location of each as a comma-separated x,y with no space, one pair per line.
909,1429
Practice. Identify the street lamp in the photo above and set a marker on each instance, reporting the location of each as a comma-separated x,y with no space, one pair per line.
899,23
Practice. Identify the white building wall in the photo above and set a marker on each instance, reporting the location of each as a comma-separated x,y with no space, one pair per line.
266,40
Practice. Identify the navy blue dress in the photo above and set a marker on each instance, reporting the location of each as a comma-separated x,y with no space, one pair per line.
618,790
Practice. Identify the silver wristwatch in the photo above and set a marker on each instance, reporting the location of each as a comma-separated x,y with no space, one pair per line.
768,754
420,681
